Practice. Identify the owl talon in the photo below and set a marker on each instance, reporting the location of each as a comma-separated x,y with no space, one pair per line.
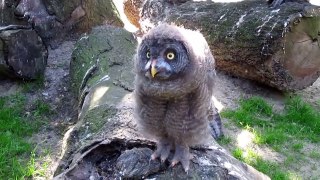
163,151
154,156
165,154
174,162
183,156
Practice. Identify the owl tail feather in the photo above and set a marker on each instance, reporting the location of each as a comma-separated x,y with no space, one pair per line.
216,125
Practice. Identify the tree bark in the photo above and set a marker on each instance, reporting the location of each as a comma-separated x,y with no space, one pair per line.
278,47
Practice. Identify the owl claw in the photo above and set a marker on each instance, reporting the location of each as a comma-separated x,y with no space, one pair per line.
165,154
185,164
163,151
154,156
174,162
183,156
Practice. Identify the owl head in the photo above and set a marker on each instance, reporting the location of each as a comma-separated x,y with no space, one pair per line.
171,57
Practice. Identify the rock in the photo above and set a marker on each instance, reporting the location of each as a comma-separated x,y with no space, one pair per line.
62,9
7,13
22,54
35,13
83,15
278,47
105,142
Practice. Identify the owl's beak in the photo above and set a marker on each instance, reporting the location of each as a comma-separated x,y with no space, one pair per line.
159,68
153,68
153,71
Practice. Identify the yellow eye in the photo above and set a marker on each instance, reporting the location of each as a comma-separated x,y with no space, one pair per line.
170,55
148,54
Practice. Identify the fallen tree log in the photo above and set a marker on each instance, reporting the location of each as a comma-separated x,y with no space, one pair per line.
105,142
278,47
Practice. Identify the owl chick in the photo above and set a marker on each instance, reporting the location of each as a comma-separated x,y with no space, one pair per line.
173,89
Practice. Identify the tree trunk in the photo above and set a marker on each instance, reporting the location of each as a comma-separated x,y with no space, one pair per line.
278,47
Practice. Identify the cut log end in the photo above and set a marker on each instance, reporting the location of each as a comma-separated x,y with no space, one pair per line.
291,60
302,52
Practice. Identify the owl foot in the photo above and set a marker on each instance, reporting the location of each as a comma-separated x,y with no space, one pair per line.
163,151
183,156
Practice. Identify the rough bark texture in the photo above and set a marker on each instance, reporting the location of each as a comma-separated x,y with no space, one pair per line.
105,143
278,47
22,53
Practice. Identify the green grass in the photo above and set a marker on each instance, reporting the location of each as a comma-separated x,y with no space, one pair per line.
297,147
32,170
283,131
315,155
41,108
238,153
15,127
267,167
225,140
36,84
298,121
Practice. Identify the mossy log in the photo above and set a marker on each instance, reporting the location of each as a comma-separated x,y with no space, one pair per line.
278,47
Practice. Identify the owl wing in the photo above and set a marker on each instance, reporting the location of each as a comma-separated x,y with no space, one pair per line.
213,114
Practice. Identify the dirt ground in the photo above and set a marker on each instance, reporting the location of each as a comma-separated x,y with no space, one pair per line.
56,93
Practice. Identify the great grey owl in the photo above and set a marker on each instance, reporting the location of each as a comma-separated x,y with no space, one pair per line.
173,88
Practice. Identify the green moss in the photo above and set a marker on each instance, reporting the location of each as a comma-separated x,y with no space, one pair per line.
313,25
102,48
95,119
